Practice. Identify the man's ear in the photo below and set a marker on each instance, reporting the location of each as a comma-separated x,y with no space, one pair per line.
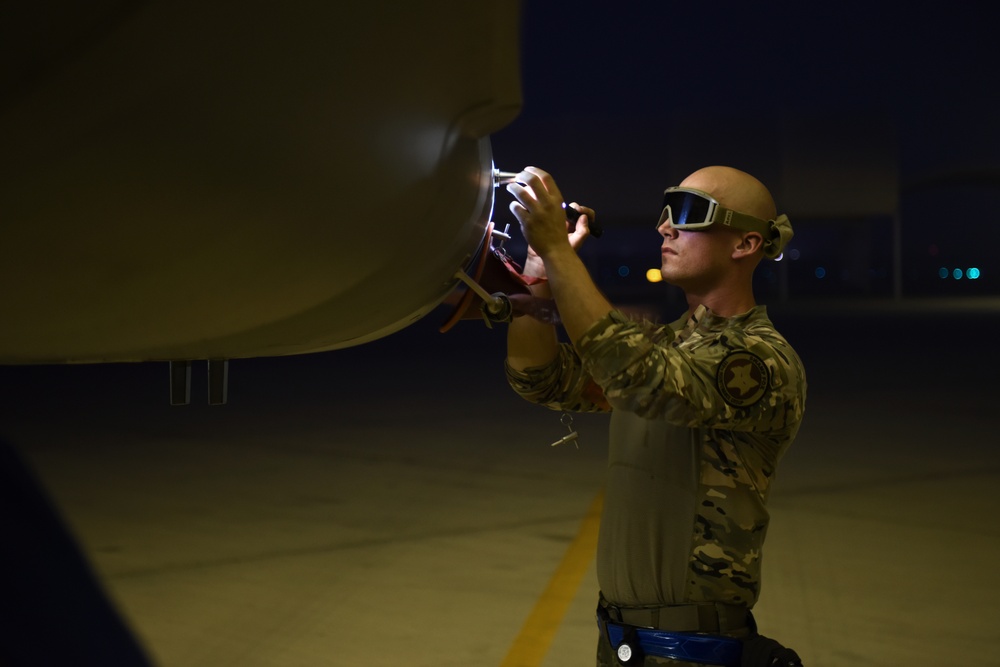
749,244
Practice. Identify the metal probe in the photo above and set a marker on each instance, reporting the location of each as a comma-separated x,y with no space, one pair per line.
503,177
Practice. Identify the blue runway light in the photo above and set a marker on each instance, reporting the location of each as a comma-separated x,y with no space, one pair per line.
623,271
957,274
943,273
972,273
820,272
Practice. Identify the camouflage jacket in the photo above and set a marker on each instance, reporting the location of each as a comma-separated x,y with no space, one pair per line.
702,410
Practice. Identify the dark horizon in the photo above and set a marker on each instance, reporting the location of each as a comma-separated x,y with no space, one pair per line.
853,114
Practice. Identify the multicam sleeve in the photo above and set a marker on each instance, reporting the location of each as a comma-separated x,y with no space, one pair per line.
561,385
736,384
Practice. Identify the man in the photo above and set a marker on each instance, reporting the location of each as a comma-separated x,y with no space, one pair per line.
701,412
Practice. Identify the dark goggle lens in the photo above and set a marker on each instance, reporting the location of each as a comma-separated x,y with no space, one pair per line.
686,208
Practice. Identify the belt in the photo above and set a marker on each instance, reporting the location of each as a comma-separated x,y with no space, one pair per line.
631,644
718,617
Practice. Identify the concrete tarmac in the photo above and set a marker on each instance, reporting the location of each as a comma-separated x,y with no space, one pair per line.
396,504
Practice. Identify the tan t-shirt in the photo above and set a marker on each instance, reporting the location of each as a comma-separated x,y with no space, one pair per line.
702,411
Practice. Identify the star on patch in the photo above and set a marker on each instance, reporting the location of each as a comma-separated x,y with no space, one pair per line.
742,379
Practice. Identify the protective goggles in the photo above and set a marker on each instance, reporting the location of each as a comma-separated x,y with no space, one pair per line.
690,209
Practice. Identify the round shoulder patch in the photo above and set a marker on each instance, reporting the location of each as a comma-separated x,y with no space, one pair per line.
742,379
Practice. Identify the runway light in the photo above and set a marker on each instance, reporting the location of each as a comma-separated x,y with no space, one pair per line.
794,254
957,274
972,273
943,272
654,276
820,272
623,271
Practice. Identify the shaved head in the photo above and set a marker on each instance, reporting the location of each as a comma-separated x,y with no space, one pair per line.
734,189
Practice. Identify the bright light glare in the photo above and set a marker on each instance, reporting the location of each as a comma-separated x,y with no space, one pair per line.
654,276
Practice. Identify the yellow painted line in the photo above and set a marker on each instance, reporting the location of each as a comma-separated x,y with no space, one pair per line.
531,645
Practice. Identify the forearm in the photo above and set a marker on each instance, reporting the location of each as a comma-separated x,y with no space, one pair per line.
580,303
533,347
531,343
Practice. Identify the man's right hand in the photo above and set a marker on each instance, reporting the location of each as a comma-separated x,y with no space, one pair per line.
578,231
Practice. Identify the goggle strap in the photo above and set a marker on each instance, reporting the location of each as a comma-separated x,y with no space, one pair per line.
768,229
744,222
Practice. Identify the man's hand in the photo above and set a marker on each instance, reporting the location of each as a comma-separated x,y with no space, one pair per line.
533,264
539,209
545,224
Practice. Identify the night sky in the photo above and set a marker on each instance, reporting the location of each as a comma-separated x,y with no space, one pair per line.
623,99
